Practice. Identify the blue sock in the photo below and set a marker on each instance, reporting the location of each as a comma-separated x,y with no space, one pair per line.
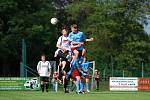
72,66
81,86
77,85
73,62
87,86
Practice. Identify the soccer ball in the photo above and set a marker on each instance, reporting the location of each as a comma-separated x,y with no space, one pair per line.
54,21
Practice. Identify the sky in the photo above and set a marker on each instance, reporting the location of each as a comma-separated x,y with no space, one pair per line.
147,28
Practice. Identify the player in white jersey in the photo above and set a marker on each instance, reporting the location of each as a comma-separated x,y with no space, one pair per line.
63,45
44,71
64,53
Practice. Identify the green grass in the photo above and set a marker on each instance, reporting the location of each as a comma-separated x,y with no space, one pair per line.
37,95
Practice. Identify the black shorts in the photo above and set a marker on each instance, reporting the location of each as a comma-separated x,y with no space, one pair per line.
44,79
62,56
80,53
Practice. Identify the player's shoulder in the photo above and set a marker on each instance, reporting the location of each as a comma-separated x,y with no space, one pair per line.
47,62
60,37
70,33
80,32
39,61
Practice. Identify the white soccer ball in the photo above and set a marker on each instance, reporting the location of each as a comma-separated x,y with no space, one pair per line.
54,21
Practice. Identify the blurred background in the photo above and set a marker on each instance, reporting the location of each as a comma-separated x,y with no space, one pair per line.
120,29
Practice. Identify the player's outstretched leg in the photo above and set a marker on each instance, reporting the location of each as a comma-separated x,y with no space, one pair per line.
87,85
81,87
77,85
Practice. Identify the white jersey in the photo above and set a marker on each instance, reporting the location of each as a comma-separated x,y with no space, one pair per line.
44,68
64,42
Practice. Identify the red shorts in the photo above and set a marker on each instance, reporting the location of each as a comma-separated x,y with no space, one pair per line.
86,76
75,73
73,49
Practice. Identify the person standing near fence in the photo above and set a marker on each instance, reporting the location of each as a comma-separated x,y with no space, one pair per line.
96,79
44,71
55,81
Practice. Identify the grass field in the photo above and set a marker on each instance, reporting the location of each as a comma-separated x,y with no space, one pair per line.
37,95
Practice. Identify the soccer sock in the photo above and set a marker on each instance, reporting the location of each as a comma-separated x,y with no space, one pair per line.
42,87
73,87
53,86
47,87
56,86
73,62
87,86
77,85
66,85
81,86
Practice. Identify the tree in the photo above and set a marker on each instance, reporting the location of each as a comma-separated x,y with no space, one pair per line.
117,27
28,19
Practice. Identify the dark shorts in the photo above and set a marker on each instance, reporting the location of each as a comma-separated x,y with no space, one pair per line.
62,56
44,79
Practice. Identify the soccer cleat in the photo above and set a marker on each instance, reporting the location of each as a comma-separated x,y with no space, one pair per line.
77,93
88,91
81,92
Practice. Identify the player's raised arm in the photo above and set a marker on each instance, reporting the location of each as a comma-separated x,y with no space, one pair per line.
89,40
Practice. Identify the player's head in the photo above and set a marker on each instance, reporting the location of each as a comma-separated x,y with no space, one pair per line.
64,32
74,28
96,71
43,57
55,72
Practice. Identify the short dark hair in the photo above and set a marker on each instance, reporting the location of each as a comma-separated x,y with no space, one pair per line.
74,25
43,55
64,29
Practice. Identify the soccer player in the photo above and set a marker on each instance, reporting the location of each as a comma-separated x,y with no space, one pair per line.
77,38
76,76
64,53
85,74
44,71
63,45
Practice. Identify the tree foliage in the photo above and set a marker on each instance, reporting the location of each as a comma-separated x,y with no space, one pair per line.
117,26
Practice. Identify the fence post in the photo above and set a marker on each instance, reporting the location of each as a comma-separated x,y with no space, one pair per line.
23,70
92,83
